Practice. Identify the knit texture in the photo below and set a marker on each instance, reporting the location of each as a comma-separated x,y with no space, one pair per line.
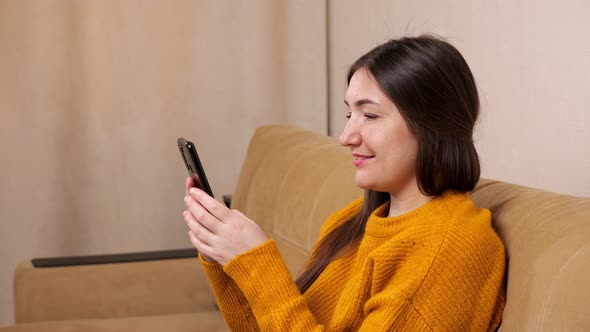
437,268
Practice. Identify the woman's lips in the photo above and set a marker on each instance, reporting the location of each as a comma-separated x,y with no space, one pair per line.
360,159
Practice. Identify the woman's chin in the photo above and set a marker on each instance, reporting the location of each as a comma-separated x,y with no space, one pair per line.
370,184
364,184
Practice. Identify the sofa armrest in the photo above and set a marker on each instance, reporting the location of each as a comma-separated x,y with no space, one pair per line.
133,288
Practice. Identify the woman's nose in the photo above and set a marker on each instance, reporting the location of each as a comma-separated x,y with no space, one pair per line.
350,135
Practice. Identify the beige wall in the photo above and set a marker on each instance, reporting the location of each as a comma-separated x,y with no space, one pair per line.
531,60
93,95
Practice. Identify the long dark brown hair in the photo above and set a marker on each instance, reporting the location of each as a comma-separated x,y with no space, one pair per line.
432,86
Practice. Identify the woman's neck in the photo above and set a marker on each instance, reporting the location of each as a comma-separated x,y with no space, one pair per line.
402,203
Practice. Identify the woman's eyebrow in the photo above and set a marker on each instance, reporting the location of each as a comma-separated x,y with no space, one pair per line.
362,102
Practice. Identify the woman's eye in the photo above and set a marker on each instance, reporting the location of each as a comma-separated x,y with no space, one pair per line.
371,116
348,115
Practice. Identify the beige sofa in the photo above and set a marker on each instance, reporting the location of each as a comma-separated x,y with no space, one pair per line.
290,182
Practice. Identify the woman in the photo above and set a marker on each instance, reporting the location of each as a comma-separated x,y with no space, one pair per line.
414,254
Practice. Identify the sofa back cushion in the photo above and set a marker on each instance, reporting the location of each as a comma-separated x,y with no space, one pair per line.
547,240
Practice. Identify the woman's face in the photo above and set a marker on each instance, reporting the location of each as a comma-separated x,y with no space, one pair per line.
383,148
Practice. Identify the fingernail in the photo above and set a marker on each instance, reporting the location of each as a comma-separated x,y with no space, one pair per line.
186,199
192,190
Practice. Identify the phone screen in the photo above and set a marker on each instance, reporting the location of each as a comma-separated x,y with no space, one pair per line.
189,154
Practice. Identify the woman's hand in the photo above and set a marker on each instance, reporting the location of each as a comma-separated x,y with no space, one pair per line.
218,232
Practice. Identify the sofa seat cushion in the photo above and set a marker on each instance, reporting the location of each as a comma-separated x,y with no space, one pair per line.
198,321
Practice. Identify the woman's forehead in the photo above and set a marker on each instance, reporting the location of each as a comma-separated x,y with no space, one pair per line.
363,89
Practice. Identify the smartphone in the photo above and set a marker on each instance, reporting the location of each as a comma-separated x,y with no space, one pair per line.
193,164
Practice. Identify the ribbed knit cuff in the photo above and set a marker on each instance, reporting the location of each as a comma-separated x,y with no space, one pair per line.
213,270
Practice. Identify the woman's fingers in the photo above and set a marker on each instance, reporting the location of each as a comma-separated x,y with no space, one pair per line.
204,249
197,229
201,215
216,208
189,184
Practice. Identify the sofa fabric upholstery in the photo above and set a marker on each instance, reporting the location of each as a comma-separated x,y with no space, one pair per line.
290,182
547,240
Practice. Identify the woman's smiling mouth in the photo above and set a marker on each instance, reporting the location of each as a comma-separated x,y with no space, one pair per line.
360,159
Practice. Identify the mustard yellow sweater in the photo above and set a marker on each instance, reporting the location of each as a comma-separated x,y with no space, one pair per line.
437,268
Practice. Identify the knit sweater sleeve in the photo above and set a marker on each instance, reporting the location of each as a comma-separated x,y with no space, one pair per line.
274,298
278,305
270,293
232,303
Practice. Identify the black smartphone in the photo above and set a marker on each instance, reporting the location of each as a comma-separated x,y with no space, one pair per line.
193,164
